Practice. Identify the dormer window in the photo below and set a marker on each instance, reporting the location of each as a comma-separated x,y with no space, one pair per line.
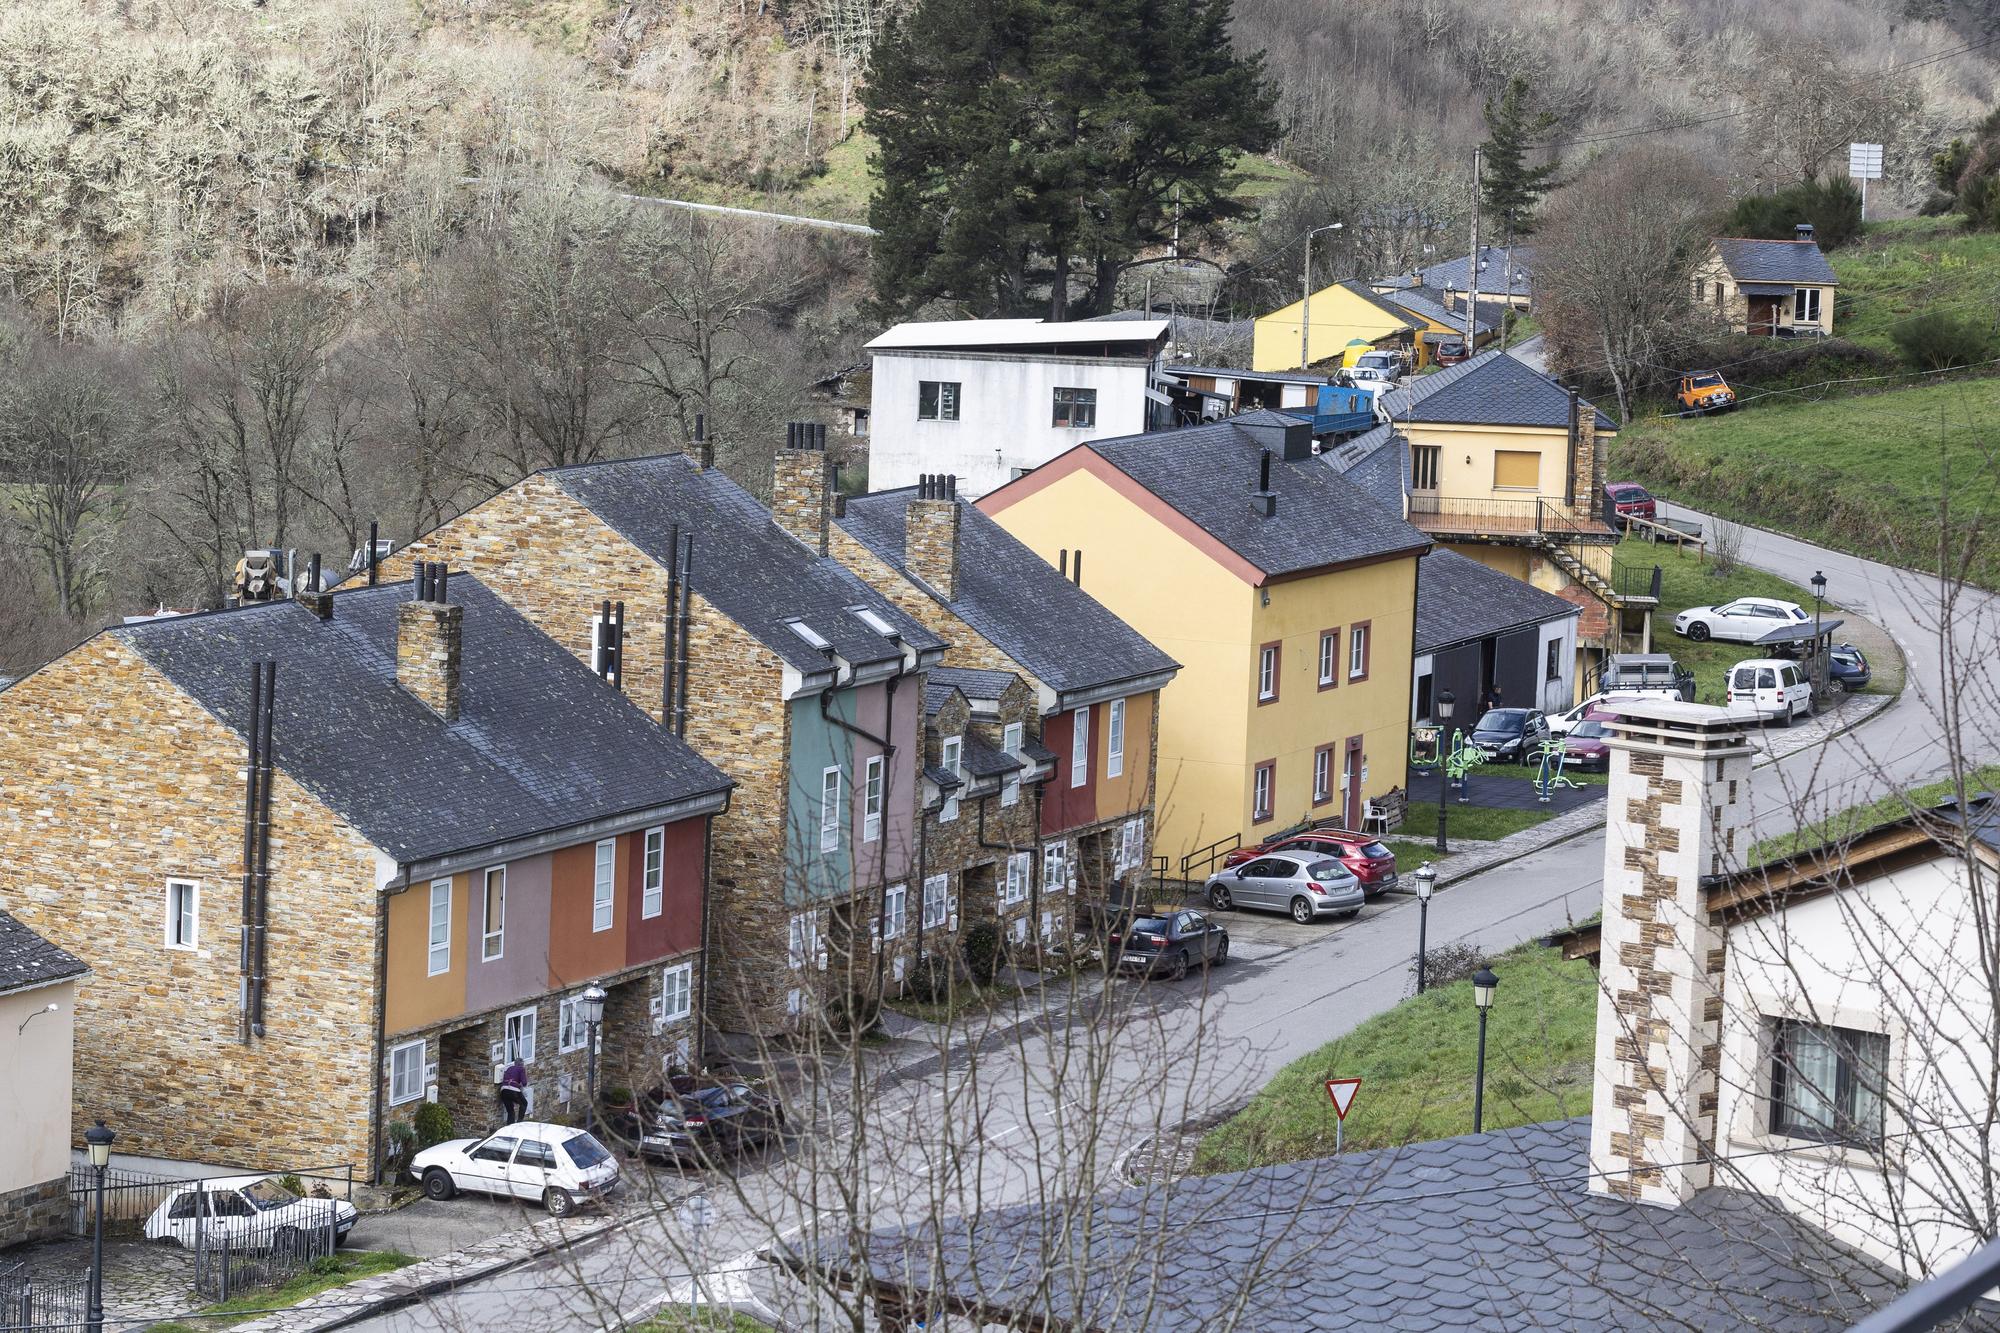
874,621
949,750
1010,738
809,634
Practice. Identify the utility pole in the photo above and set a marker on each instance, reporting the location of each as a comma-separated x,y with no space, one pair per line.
1306,299
1472,264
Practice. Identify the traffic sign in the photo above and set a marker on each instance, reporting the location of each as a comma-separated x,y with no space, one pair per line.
1342,1091
1864,161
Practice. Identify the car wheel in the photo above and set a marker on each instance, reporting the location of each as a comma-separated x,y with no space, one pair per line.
1302,911
1179,967
1219,899
1221,952
438,1184
559,1201
1698,631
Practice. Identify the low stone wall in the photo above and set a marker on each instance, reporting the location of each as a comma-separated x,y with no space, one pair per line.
38,1212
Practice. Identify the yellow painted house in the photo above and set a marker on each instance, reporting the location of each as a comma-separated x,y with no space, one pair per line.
1286,592
1339,315
1501,463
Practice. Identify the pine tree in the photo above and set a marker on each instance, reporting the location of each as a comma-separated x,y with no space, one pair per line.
1029,150
1510,189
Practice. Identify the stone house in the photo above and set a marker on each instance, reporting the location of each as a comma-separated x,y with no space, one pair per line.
343,855
730,626
1086,756
38,984
1774,289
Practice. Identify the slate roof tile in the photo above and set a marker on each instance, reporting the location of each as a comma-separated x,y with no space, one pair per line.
27,960
1493,275
1460,600
1491,389
1750,259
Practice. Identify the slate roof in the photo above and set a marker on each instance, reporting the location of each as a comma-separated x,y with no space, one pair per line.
1209,472
1378,461
541,743
1459,599
973,682
984,760
1451,273
1485,1231
27,960
1491,389
752,570
1428,302
1063,636
1752,260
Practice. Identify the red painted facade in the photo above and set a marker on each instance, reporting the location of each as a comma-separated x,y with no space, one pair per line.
1065,806
678,926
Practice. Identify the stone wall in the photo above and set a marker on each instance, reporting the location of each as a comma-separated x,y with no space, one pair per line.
36,1212
117,781
800,494
427,654
931,544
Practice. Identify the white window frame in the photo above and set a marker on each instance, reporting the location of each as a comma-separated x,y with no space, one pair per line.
397,1069
1079,747
1011,736
1262,780
604,886
803,944
1357,652
572,1033
951,390
1114,739
1805,305
653,873
951,753
829,809
895,910
676,992
1020,865
439,947
937,893
512,1030
1322,776
1328,648
182,893
1055,866
874,779
1010,789
1267,671
492,934
1131,844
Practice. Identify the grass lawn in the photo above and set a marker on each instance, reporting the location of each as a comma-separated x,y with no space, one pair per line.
1906,267
324,1275
1859,819
1865,474
1472,822
1416,1064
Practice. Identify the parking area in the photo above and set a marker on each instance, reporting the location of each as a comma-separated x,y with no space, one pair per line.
1255,936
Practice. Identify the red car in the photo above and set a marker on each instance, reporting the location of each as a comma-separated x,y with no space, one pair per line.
1372,863
1584,747
1627,499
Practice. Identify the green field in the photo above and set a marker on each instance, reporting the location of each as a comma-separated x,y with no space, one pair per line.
1866,474
1910,267
1416,1067
1859,819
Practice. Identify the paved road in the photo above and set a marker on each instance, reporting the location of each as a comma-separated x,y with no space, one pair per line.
1290,992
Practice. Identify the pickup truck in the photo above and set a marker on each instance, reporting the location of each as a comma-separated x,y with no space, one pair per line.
1705,392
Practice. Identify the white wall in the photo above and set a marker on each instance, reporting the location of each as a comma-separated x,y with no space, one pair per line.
1897,956
1559,694
35,1064
1006,405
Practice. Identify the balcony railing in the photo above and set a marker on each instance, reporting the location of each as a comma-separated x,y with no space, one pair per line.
1499,517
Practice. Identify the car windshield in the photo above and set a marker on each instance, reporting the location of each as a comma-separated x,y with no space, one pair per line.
1591,728
1502,719
269,1194
1707,381
585,1151
1326,872
1630,493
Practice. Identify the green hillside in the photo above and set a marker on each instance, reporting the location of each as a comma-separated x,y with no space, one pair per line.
1911,267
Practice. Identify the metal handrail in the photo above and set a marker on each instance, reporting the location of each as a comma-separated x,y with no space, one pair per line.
1208,855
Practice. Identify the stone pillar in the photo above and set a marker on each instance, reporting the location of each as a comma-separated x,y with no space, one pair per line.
930,536
1679,785
427,654
1588,481
799,484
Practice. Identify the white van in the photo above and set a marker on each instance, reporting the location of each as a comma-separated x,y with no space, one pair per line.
1775,688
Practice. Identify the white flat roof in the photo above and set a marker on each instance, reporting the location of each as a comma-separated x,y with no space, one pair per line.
963,333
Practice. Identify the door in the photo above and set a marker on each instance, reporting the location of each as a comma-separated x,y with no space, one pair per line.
1350,781
488,1166
529,1174
1270,881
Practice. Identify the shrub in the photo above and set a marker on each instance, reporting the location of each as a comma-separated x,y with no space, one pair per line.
1832,206
929,980
1940,342
402,1147
433,1124
982,952
291,1181
1448,963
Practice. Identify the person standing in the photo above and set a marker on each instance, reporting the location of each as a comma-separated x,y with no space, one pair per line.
514,1091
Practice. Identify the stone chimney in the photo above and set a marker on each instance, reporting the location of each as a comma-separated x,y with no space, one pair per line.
1679,787
800,485
427,642
1585,463
930,534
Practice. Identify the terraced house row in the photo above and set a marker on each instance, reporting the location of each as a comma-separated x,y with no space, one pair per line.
621,725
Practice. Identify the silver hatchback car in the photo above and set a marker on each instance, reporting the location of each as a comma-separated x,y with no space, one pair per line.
1306,884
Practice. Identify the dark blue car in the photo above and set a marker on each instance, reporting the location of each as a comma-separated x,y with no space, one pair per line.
1849,668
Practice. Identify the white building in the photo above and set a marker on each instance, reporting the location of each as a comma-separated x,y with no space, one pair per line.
38,984
989,399
1820,1032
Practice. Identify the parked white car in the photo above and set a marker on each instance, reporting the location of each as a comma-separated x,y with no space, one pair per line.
556,1164
1745,620
1561,723
254,1212
1778,690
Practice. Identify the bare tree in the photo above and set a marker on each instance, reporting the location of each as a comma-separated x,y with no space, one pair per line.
65,437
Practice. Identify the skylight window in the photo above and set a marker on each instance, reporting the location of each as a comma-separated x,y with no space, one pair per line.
874,621
809,634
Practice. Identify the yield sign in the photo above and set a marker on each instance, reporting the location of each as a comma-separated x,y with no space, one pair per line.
1342,1091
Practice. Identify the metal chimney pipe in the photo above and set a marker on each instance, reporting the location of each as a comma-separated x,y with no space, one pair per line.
443,580
374,529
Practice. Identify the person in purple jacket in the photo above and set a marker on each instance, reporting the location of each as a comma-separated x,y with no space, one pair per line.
513,1091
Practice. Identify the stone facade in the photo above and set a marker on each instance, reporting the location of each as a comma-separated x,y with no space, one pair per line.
1679,776
427,654
800,493
931,544
116,782
38,1212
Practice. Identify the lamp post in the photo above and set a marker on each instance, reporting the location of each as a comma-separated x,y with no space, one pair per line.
1483,984
1819,595
592,1004
1306,305
99,1140
1445,700
1426,877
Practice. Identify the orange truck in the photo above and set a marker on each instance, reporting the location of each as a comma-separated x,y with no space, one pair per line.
1705,392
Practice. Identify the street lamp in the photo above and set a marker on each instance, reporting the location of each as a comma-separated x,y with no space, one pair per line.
1445,700
591,1003
1819,595
99,1140
1483,984
1306,306
1426,877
